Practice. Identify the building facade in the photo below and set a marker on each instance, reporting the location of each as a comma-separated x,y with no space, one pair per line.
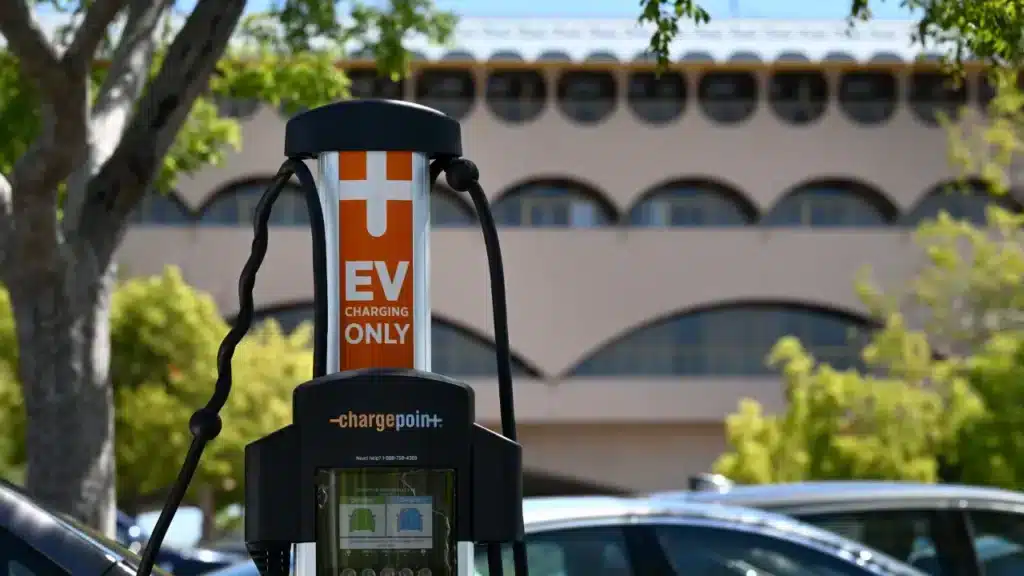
660,233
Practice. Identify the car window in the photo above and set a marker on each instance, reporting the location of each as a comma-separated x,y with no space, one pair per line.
907,535
19,559
712,551
572,552
128,555
998,541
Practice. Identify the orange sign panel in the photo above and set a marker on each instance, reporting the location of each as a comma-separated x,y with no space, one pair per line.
375,253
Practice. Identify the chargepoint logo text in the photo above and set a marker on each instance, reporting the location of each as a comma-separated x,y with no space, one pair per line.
388,421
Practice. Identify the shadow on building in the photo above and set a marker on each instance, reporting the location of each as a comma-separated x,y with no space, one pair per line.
544,484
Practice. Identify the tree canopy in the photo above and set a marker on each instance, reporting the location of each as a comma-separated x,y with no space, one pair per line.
984,30
942,397
116,101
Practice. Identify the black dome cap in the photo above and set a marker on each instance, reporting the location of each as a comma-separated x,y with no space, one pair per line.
374,125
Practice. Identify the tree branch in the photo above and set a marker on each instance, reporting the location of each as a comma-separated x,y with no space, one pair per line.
64,98
163,108
115,100
91,32
36,55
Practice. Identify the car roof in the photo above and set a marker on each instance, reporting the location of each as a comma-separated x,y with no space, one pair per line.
837,494
544,514
53,535
541,514
57,536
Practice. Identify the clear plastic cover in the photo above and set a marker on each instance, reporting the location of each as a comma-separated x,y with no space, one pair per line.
386,522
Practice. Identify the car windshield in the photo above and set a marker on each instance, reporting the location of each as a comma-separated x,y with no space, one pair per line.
130,558
127,556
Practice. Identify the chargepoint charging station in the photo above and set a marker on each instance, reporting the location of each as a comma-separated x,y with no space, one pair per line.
383,471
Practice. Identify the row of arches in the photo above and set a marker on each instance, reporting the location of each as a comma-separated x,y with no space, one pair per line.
564,203
716,341
726,97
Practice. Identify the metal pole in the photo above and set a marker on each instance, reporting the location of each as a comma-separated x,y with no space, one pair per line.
377,228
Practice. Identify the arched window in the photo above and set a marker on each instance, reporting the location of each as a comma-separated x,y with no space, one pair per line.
868,97
236,206
799,97
368,83
457,352
831,205
450,90
447,211
454,351
686,204
728,97
161,209
967,201
657,98
728,341
516,96
552,204
935,94
586,96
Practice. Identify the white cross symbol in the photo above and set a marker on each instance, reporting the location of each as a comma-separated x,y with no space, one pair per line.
376,190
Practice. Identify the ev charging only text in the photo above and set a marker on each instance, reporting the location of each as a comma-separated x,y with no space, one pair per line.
363,321
385,421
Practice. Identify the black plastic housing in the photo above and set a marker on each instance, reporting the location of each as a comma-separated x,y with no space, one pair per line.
280,469
372,124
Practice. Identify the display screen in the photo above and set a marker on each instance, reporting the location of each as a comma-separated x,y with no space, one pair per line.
393,521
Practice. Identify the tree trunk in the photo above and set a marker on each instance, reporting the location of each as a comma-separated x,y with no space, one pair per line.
64,358
208,507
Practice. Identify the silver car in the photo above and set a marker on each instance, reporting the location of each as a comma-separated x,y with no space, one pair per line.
606,536
942,529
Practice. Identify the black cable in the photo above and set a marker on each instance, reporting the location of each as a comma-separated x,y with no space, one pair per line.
205,424
494,565
463,176
319,239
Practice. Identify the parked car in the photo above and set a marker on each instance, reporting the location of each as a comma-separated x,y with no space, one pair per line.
34,540
37,541
607,536
943,529
182,562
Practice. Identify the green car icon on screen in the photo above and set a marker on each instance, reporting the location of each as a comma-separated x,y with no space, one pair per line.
362,520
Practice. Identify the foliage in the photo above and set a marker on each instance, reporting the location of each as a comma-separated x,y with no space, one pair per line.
992,446
664,16
12,416
943,399
842,424
986,30
165,336
285,56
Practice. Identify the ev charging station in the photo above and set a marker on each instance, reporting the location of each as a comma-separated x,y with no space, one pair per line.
383,471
